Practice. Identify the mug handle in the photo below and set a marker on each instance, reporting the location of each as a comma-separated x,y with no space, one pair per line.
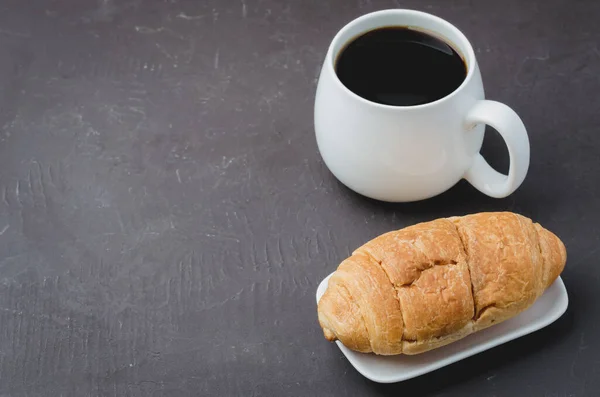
508,124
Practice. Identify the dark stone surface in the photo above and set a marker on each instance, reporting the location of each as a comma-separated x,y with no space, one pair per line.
165,216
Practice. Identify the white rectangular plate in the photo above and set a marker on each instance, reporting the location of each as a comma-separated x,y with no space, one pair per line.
388,369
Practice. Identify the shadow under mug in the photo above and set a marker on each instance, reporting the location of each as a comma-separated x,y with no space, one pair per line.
410,153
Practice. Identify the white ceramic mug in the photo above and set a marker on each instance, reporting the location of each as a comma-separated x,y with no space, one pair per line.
409,153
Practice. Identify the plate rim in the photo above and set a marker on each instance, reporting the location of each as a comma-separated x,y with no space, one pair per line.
561,308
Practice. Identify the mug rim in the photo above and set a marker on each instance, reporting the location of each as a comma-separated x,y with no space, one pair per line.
467,52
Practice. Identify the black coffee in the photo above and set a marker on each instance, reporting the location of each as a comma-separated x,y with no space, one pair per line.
400,66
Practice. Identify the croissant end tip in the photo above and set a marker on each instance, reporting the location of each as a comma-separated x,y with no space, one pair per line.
330,336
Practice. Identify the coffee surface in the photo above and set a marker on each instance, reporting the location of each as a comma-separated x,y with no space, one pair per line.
401,67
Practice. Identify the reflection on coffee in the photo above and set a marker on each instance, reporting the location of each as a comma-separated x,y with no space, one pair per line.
401,67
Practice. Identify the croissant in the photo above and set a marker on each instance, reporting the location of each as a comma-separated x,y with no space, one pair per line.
425,286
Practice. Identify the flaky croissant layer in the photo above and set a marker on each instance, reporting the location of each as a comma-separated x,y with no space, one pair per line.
422,287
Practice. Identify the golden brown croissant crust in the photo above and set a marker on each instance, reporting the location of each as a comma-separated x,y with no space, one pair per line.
422,287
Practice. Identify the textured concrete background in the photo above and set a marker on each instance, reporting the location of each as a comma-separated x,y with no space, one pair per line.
165,217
